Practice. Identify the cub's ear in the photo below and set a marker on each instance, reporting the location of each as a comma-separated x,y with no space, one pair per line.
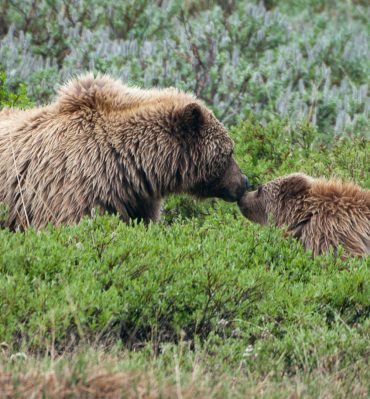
188,120
294,185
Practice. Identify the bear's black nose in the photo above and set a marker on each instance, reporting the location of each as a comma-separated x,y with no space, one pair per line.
246,182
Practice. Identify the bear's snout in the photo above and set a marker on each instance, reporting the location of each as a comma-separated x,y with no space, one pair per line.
245,182
241,188
243,201
252,207
230,187
233,184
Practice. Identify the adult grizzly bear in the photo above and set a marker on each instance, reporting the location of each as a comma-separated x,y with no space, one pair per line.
319,212
122,149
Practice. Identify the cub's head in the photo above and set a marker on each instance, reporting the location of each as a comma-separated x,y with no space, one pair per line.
207,167
279,199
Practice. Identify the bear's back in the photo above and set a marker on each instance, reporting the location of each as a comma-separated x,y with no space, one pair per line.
340,216
107,95
334,195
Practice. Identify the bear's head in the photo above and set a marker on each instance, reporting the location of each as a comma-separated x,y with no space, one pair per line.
206,166
281,200
167,141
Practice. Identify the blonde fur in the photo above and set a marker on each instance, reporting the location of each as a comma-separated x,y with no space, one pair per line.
104,144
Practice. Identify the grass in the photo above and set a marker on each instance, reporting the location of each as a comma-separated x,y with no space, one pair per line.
92,372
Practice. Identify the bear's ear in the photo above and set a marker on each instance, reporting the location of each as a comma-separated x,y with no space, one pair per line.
294,185
188,120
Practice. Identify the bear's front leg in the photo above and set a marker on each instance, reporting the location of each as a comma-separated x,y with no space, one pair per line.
150,211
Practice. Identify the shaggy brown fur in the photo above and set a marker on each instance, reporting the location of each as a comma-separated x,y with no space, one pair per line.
104,144
321,213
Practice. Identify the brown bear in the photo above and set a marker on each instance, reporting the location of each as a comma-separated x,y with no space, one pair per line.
122,149
321,213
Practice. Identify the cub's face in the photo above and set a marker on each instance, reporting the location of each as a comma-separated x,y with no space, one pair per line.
271,199
253,205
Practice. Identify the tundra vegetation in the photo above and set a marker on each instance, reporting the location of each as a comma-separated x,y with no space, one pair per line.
205,303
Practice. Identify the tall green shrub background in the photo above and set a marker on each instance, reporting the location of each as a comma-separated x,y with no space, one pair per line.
299,60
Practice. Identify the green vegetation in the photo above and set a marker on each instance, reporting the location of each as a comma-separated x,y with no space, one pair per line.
203,304
13,98
204,291
241,58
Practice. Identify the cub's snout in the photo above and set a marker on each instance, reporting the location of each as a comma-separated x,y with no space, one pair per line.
252,206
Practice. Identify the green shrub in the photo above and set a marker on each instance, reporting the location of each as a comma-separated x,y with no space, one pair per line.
204,274
11,97
152,283
267,151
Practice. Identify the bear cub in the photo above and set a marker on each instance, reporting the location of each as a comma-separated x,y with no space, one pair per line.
321,213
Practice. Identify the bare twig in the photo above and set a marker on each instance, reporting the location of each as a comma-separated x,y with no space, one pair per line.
242,88
201,71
